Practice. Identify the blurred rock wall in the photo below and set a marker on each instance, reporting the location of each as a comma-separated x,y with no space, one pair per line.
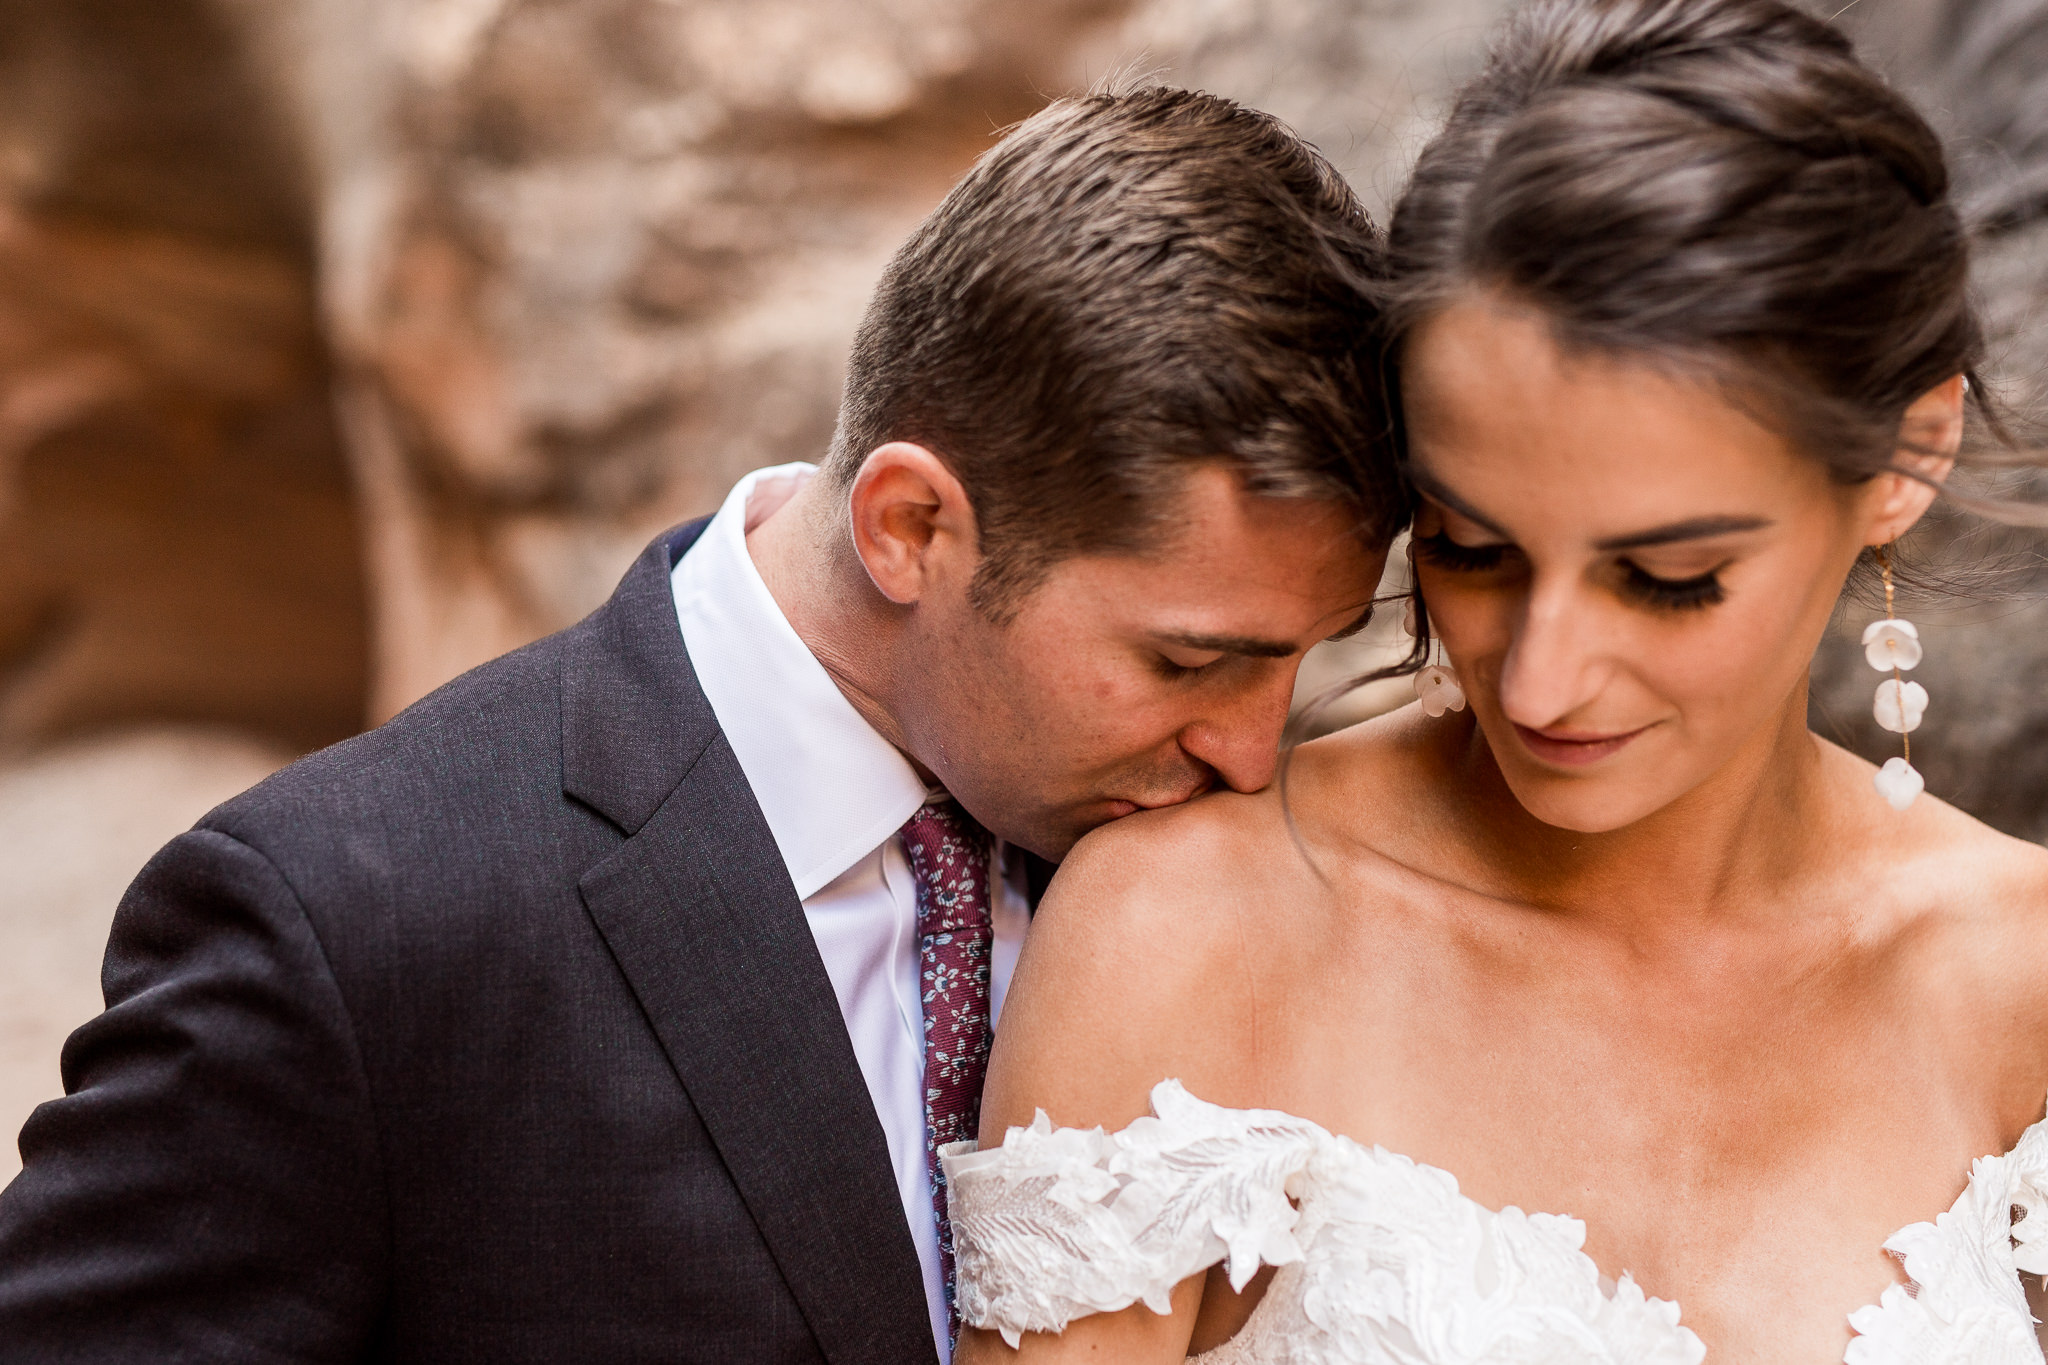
178,532
585,263
347,343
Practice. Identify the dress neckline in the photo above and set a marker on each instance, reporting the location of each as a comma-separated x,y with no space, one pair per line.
1949,1261
1375,1249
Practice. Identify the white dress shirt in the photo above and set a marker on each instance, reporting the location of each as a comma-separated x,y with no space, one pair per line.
835,794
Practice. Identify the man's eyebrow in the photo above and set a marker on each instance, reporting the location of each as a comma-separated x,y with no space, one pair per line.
1451,500
1697,528
1231,644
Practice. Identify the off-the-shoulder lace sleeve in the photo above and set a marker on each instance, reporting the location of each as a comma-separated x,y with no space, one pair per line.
1965,1301
1059,1223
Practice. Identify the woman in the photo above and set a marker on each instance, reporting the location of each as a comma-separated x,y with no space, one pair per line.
1681,318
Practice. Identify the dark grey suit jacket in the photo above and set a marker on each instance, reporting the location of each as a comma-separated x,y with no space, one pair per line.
495,1034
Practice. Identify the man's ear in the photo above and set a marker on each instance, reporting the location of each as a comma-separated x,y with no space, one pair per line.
1930,434
913,526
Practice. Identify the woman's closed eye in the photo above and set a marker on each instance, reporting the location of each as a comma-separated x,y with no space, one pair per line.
1444,553
1671,594
1636,584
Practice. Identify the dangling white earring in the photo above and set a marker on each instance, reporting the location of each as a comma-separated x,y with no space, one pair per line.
1893,646
1436,686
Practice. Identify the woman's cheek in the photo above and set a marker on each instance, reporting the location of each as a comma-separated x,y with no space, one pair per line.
1715,665
1473,623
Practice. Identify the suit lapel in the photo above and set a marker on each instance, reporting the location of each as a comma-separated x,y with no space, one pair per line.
699,912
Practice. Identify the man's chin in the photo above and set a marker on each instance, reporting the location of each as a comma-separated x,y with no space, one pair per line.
1074,824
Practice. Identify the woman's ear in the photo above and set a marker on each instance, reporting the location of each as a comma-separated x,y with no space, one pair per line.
1930,434
913,526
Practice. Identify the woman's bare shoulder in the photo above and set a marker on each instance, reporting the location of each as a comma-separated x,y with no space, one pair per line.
1992,883
1165,932
1141,966
1943,858
1968,905
1377,795
1386,753
1190,873
1182,860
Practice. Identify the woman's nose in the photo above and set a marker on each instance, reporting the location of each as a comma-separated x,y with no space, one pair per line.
1550,670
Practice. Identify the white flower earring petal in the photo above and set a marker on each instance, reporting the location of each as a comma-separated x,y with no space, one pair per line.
1898,782
1900,705
1437,688
1893,646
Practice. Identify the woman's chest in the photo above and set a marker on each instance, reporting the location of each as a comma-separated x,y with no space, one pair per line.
1747,1165
1396,1256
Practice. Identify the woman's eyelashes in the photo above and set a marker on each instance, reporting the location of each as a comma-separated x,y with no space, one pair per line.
1637,584
1672,594
1445,553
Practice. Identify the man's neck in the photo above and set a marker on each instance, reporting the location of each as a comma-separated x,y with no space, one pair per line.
801,548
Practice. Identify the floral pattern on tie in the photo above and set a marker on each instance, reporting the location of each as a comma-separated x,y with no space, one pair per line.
949,858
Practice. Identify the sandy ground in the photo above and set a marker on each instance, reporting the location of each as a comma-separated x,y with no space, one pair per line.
76,824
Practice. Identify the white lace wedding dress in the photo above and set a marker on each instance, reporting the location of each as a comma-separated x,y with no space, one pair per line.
1383,1262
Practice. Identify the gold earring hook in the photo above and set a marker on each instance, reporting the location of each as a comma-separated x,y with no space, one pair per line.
1884,565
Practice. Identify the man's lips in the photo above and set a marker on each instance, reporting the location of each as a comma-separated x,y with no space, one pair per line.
1573,748
1118,807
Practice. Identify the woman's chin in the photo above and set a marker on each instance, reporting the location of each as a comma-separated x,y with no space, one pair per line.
1585,803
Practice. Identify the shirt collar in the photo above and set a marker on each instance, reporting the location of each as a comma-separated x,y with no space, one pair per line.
830,787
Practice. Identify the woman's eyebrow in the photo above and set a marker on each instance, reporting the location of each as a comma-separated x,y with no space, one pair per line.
1696,528
1436,491
1693,528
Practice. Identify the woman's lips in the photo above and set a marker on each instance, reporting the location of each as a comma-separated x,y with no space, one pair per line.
1573,748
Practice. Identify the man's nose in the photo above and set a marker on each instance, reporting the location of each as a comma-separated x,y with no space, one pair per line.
1240,737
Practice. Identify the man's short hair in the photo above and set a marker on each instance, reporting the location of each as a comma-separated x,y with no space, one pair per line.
1126,286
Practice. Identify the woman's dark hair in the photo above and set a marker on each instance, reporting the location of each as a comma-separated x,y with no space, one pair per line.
1719,185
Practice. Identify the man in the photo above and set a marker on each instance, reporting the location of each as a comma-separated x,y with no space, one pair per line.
608,1004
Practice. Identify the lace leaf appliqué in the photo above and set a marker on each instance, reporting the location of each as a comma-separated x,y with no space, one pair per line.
1965,1305
1059,1223
1382,1261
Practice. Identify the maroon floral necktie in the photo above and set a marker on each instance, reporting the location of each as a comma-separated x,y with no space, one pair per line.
949,856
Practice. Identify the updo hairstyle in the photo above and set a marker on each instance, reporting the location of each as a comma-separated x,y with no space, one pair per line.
1719,186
